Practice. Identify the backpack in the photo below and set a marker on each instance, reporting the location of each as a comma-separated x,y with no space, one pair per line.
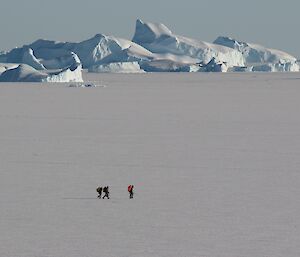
130,187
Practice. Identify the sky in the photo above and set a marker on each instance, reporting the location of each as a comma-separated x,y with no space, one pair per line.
272,23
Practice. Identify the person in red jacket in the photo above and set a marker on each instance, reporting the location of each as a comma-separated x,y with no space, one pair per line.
130,190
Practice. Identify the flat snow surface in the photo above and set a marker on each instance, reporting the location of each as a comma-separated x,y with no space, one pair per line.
214,159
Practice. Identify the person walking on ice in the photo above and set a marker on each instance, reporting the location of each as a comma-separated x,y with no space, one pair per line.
99,190
106,192
130,190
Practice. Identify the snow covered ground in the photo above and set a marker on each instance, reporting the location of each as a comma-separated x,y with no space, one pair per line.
214,159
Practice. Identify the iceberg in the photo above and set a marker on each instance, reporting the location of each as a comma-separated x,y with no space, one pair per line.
157,38
165,65
53,54
49,54
260,57
276,67
117,67
154,48
134,53
148,61
70,74
30,59
22,55
7,66
62,62
22,73
214,66
41,56
26,73
254,53
94,50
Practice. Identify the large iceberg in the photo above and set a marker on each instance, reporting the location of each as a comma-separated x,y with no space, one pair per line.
90,52
47,54
93,51
154,48
157,38
260,57
139,57
41,55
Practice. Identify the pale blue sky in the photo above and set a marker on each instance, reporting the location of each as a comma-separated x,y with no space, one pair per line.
273,23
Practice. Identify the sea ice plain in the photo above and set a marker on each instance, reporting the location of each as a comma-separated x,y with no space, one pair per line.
214,159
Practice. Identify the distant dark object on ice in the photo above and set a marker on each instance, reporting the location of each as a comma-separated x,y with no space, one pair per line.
84,85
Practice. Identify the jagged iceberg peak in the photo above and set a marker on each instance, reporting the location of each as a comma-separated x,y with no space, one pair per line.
109,40
93,50
254,53
149,32
134,53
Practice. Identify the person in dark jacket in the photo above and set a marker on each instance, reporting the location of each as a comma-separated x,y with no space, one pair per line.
130,190
99,190
106,192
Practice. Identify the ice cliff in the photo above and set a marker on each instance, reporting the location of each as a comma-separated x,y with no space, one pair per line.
117,67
